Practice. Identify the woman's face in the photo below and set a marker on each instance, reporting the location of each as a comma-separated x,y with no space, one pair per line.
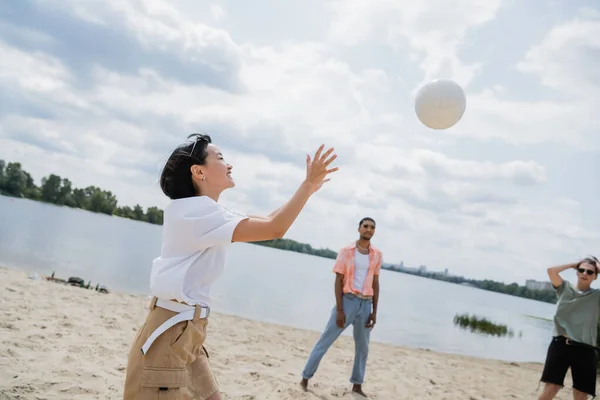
216,170
215,175
586,272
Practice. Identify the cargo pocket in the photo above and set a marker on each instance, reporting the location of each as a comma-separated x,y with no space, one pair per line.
163,383
188,346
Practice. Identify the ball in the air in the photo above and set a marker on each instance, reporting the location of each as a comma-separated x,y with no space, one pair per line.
440,104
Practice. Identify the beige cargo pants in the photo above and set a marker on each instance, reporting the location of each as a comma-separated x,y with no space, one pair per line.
176,365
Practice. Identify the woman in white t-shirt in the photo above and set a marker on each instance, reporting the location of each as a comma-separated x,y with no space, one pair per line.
168,359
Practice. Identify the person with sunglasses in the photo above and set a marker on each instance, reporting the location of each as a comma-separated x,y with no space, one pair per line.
168,359
575,329
356,291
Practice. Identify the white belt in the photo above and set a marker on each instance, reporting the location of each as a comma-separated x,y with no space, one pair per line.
184,313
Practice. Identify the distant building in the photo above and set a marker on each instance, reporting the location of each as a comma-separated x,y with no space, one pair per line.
537,285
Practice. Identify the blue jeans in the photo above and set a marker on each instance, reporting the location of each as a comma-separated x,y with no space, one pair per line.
357,313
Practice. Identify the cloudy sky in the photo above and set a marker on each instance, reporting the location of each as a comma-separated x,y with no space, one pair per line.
100,91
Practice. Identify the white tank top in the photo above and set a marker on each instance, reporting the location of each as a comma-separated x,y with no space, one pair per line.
361,268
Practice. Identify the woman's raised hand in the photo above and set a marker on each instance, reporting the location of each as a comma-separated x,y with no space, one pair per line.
317,168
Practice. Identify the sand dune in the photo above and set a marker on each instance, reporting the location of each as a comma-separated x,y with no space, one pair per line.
62,342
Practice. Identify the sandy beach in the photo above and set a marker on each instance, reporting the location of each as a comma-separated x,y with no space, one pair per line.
63,342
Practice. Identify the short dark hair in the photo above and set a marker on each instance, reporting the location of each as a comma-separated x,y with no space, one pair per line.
591,260
366,219
176,178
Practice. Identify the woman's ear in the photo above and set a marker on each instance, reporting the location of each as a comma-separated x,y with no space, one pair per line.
196,171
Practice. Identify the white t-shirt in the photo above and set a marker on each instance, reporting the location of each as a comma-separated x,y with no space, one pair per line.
196,234
361,268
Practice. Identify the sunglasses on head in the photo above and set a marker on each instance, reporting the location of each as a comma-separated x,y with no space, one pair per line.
196,137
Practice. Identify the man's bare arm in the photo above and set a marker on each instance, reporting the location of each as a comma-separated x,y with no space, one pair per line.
340,318
339,286
375,293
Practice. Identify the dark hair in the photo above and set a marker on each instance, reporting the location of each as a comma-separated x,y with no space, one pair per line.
591,260
176,178
366,219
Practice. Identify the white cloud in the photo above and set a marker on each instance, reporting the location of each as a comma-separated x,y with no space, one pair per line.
528,122
565,60
434,30
571,46
34,72
427,163
488,189
217,12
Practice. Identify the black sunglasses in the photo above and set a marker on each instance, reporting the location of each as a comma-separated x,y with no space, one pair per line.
368,226
586,271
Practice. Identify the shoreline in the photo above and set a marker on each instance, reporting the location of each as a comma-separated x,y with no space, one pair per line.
277,325
388,267
85,337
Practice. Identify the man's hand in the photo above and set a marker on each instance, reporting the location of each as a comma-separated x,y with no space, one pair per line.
340,319
371,321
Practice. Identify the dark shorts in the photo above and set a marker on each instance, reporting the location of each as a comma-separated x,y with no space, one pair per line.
582,361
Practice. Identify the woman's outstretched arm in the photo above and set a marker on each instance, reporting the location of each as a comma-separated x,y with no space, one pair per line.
276,226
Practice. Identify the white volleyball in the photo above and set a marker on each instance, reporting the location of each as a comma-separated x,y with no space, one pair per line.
440,104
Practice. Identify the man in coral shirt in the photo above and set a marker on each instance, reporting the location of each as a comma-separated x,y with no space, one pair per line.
356,293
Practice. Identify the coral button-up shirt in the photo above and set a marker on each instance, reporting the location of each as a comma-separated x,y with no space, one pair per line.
344,264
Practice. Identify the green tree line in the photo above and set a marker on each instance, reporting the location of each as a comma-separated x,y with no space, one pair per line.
513,289
292,245
16,182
